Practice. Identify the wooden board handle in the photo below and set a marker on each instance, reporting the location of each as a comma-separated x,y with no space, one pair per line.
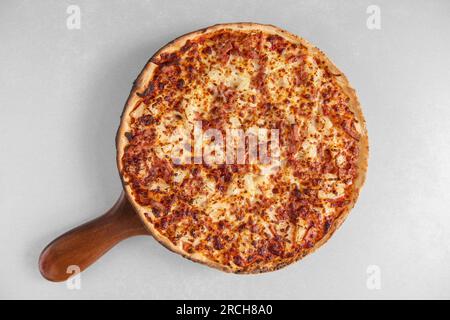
83,245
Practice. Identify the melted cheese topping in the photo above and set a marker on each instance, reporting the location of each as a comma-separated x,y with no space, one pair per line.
247,217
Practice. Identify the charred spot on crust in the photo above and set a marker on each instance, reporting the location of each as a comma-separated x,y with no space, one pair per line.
146,120
327,225
180,84
128,135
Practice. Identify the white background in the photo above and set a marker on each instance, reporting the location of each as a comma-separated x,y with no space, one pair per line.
62,91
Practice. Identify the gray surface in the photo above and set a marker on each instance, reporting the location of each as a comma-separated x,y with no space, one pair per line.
61,94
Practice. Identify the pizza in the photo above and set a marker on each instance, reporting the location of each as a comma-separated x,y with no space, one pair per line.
258,91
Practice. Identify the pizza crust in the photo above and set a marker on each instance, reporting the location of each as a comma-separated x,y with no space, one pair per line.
140,85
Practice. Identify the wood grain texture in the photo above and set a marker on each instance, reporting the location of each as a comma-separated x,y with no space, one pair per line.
83,245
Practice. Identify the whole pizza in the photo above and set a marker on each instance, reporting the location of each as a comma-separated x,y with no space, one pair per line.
242,146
